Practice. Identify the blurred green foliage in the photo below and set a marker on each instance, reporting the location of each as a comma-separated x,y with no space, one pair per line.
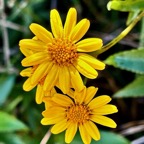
19,114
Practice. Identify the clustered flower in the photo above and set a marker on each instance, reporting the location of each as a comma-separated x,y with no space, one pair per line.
57,60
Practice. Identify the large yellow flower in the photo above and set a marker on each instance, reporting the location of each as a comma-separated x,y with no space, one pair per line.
60,57
80,111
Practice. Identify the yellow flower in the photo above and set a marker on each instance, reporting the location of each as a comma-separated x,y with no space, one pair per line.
60,57
80,111
27,86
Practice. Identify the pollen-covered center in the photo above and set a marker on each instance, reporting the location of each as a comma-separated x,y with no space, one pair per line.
78,113
62,52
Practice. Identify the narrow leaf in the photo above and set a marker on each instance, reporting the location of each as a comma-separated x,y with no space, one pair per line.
6,85
10,138
126,6
9,123
132,60
131,16
134,89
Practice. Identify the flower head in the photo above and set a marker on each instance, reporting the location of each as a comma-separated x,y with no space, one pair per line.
59,57
27,86
80,111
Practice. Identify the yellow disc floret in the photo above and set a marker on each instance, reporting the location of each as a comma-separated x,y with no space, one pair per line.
78,113
62,52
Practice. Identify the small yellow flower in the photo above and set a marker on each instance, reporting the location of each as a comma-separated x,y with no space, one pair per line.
27,86
60,56
80,111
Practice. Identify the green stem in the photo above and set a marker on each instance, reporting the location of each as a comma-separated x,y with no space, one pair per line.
121,35
141,45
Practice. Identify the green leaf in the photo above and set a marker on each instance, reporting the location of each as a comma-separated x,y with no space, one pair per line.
107,137
111,138
10,138
131,16
9,123
132,60
134,89
126,6
6,85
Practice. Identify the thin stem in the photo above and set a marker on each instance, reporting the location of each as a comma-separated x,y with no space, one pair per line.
122,34
5,37
142,34
12,25
46,137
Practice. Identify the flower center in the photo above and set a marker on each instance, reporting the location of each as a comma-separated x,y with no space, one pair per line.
78,113
62,52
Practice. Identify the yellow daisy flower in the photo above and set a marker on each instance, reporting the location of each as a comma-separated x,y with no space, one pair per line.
80,111
27,86
59,56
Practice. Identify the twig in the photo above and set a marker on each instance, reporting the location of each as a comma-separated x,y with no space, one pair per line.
5,36
46,137
132,130
138,141
13,26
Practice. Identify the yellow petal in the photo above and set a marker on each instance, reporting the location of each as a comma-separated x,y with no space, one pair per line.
35,38
79,30
71,93
51,78
99,101
106,109
35,59
39,94
48,102
26,72
89,45
62,100
86,138
41,33
59,127
70,21
85,69
103,120
40,72
56,24
47,99
92,130
55,111
76,79
64,79
50,121
26,52
80,96
90,93
70,132
93,62
32,45
27,86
